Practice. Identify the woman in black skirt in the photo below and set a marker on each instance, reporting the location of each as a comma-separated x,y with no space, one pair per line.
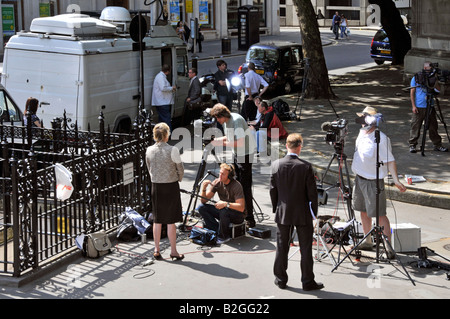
166,171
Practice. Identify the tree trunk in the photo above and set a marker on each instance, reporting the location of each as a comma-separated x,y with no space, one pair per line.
392,23
318,82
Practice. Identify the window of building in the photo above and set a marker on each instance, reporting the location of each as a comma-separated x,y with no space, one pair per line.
176,12
117,3
47,8
206,14
232,13
261,5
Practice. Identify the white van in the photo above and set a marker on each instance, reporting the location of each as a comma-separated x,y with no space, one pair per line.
84,66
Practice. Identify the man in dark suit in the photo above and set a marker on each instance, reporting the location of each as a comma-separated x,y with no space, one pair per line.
193,108
294,198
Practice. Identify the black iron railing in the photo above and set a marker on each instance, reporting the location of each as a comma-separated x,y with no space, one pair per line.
35,225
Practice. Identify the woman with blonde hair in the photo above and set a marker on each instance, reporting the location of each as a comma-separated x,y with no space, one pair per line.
166,171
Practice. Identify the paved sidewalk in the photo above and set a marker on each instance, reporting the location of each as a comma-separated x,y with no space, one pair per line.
241,270
383,88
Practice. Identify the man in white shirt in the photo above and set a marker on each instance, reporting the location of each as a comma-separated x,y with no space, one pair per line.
253,82
162,96
364,165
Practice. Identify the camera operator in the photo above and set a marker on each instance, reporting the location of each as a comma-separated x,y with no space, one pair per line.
238,137
229,209
365,168
424,83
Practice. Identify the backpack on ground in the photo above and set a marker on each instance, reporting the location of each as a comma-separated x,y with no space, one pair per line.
281,109
94,245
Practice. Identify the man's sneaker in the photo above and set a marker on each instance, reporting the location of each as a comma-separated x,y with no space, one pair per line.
440,149
412,149
250,223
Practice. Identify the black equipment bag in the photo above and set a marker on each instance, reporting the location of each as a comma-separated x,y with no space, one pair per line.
203,236
281,109
132,225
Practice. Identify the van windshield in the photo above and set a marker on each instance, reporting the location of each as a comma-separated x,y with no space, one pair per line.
266,55
8,111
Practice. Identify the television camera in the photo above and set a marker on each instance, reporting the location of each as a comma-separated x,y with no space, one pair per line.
428,77
235,85
336,132
442,75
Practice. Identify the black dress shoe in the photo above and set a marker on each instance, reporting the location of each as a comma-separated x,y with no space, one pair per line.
313,286
280,284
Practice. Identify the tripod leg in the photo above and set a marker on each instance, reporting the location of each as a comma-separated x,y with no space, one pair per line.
328,167
353,249
387,243
426,125
441,118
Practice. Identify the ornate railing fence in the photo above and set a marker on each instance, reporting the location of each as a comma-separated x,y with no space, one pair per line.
108,174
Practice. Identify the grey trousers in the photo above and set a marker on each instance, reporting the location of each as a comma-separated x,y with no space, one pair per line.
416,123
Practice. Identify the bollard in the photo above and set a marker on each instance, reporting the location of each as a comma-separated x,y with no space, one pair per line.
226,46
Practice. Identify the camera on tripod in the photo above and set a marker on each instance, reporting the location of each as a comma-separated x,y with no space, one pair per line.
427,78
205,122
336,131
442,75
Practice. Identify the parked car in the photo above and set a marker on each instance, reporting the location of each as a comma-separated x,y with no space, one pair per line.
280,63
380,48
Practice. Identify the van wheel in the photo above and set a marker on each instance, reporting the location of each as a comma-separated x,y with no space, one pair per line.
379,62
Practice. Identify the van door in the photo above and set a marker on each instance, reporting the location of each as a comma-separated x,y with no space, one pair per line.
178,77
182,82
50,77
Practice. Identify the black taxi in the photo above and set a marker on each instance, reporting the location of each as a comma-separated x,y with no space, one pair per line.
280,63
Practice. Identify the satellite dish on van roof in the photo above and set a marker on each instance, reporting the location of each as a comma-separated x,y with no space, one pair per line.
134,28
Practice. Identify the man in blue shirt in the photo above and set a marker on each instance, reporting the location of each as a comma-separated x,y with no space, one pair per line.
335,23
419,107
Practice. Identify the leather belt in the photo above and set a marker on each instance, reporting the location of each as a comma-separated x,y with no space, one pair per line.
366,179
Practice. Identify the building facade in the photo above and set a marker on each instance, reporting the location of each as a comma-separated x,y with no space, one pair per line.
218,18
357,12
430,36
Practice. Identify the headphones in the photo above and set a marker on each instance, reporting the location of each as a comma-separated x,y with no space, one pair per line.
231,171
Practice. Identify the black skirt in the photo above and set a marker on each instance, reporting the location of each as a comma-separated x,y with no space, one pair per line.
166,202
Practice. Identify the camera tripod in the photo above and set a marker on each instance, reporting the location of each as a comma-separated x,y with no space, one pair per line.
344,186
301,95
194,194
377,230
431,97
